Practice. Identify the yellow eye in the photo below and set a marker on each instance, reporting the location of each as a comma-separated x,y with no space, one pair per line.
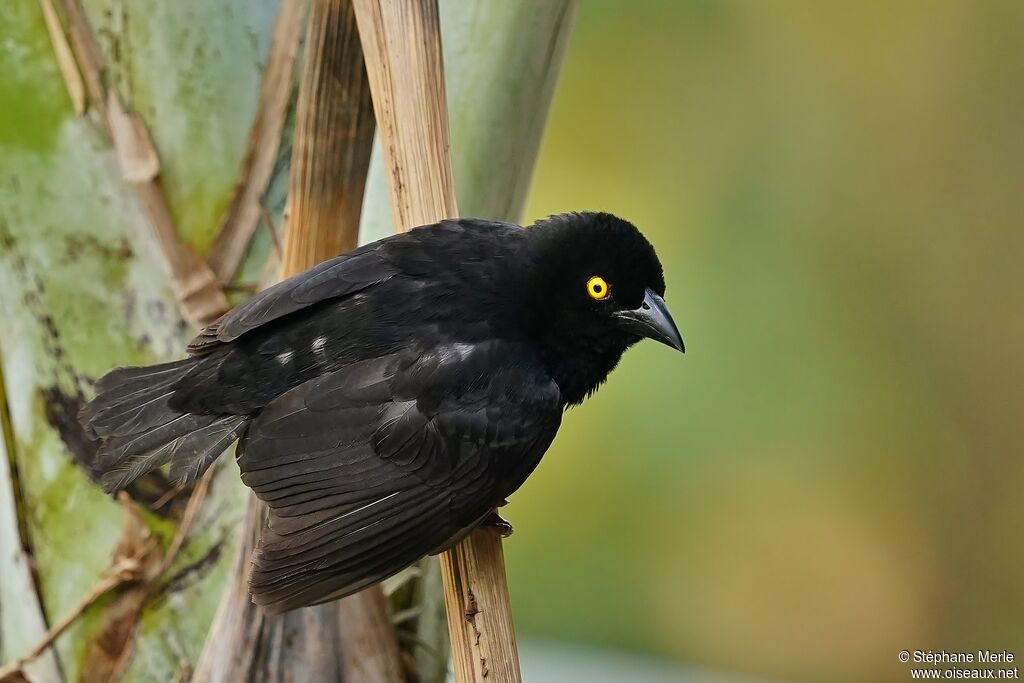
597,288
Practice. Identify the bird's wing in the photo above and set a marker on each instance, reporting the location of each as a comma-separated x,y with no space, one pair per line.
371,467
335,278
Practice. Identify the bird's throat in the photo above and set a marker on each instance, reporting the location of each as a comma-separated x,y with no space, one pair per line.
579,370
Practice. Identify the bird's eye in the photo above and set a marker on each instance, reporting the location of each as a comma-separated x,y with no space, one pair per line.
597,288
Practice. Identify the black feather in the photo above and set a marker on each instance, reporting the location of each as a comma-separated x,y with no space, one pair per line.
385,400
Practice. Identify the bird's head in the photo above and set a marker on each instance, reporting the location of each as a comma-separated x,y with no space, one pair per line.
595,288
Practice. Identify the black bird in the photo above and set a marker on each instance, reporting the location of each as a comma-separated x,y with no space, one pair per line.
387,400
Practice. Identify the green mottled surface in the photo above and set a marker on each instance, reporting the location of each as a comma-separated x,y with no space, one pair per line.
82,287
191,69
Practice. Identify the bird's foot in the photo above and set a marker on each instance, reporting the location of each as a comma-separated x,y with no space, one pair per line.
495,521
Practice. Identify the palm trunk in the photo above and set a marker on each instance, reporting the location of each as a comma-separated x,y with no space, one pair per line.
103,219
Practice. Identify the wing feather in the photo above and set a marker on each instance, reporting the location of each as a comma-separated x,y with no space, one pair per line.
369,468
341,276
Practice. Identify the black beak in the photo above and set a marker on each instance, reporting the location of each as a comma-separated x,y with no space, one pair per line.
652,320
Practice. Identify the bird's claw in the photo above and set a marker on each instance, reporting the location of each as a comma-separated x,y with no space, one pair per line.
495,521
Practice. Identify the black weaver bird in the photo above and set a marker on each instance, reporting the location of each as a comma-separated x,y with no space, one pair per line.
387,400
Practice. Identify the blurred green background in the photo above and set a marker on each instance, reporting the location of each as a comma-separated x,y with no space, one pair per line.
833,472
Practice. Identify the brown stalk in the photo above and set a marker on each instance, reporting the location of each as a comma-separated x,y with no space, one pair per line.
333,139
65,58
402,47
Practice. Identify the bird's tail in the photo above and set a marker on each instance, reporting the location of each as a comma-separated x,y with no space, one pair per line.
138,430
